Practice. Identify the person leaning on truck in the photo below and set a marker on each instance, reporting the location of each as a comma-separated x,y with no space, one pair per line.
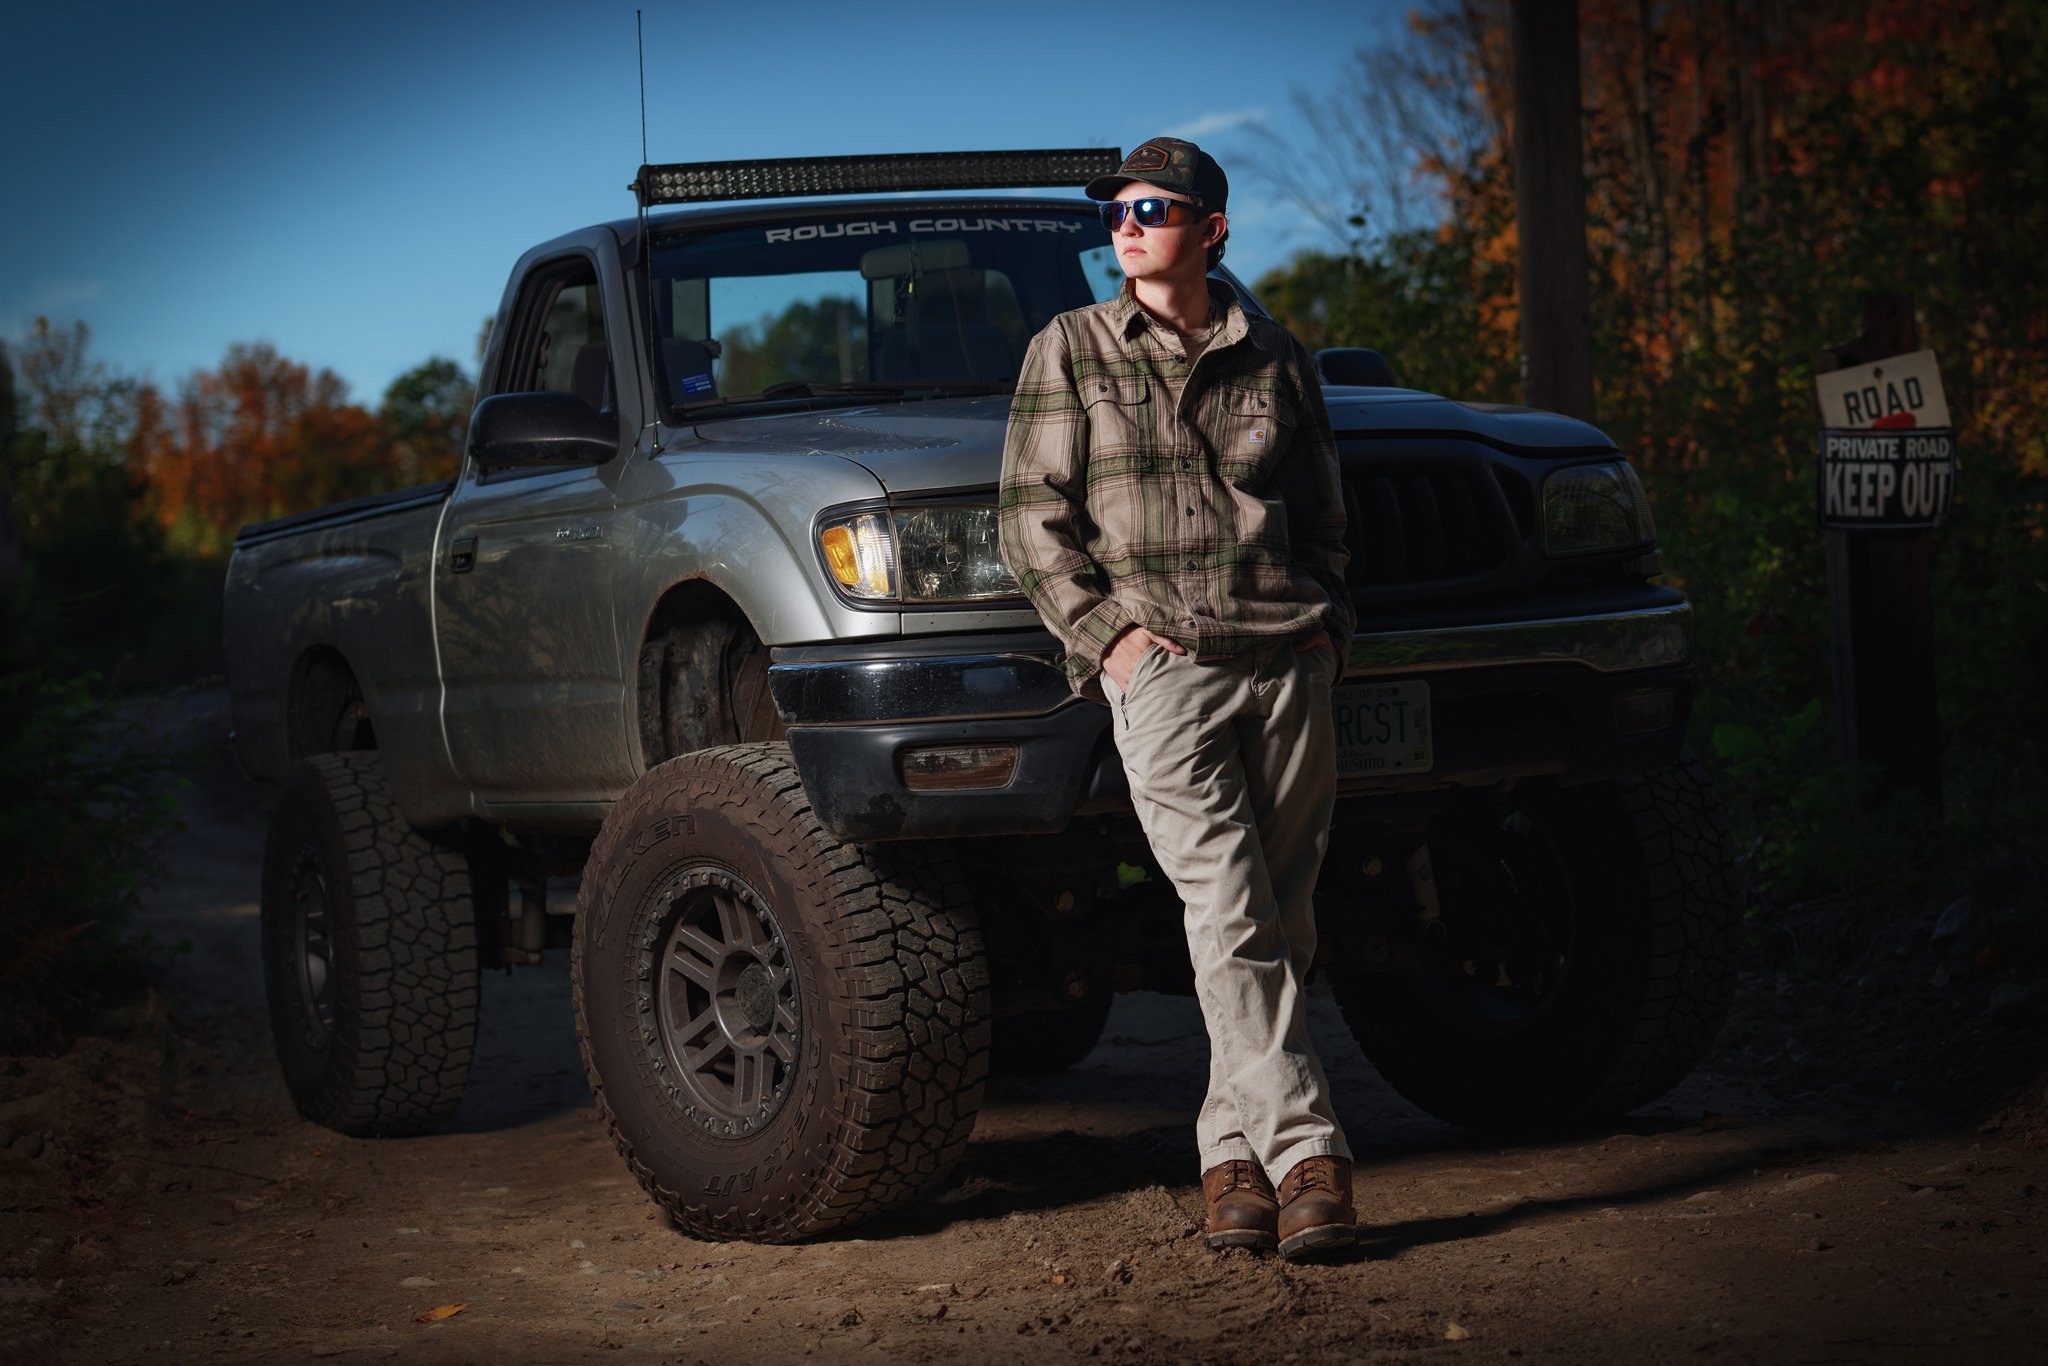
1171,506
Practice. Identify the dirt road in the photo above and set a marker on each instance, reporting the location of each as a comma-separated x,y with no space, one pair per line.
162,1202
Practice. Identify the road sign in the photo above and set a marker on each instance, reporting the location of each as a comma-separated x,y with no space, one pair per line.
1887,454
1893,394
1886,479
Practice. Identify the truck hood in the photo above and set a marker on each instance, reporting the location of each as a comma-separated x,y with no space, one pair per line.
929,446
949,445
1382,413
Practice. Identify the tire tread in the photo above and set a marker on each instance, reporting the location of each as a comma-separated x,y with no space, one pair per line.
407,994
904,944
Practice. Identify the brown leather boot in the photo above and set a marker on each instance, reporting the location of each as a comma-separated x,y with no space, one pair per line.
1241,1205
1315,1207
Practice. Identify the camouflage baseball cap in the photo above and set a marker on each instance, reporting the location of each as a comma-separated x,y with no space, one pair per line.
1171,164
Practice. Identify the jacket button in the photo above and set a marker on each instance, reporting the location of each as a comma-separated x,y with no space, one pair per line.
1192,566
1186,463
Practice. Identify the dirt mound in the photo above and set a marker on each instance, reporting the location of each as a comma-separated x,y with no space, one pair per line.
1936,1000
2024,1119
74,1142
66,1124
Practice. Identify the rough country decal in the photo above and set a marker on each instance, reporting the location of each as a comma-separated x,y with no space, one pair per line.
813,232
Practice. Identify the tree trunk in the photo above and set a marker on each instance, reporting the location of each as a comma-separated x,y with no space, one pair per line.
1550,208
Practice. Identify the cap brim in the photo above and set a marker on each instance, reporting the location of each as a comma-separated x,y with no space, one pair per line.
1106,186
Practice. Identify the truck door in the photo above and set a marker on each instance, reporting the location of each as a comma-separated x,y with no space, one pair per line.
533,693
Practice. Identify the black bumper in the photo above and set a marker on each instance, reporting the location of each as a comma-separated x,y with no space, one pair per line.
1510,699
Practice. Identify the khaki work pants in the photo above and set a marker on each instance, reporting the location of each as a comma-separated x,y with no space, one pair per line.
1232,767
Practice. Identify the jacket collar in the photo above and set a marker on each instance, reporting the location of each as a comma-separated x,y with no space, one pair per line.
1129,315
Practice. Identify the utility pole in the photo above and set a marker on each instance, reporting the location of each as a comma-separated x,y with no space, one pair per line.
1550,208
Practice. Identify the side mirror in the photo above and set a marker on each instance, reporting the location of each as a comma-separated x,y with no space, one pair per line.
1355,365
512,430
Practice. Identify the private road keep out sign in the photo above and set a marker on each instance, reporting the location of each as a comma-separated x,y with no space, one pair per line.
1887,452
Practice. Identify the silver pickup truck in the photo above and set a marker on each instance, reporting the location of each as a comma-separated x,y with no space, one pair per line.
712,621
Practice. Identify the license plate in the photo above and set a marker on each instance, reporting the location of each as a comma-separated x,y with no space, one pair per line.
1381,728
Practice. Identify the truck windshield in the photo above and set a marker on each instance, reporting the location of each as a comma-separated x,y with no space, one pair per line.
867,302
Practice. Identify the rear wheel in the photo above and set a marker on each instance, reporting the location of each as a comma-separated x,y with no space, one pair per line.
369,954
1582,963
785,1033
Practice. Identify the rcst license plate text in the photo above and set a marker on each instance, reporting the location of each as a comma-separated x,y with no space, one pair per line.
1381,728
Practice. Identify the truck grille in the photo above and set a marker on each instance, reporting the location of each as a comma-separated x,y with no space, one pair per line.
1425,523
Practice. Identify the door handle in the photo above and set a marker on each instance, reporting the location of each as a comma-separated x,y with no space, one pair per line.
462,554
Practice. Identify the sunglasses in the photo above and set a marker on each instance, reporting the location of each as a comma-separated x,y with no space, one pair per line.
1150,213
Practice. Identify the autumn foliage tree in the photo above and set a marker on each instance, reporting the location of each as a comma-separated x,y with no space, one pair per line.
426,412
122,498
263,436
1754,167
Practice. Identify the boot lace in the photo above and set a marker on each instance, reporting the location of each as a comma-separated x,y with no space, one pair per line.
1315,1176
1242,1175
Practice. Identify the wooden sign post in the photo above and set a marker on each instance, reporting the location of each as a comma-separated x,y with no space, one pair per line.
1880,582
1552,288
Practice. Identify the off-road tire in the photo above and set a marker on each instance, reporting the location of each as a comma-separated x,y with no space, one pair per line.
396,914
1038,1043
1651,860
882,998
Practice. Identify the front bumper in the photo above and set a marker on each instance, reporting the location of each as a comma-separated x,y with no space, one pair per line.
1511,698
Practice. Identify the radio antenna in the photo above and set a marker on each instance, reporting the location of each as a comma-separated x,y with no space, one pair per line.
640,50
645,248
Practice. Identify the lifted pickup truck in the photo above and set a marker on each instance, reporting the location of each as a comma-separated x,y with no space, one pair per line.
713,617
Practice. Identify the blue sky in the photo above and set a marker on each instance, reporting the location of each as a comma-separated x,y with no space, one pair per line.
353,182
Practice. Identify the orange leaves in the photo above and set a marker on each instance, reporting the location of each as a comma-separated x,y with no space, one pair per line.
262,436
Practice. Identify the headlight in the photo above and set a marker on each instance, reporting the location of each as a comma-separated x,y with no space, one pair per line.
945,553
950,554
1595,507
858,553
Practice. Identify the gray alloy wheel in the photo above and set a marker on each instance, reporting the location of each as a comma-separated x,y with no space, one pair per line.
786,1034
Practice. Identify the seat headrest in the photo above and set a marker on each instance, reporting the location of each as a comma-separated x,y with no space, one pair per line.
590,376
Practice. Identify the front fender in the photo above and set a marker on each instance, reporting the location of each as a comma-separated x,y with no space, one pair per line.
742,524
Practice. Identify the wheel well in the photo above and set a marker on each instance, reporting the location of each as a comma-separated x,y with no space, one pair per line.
703,676
325,710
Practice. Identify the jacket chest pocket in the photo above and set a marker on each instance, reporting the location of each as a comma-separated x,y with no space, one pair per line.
1253,430
1120,420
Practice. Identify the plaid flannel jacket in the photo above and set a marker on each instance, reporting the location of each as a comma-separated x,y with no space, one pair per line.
1217,522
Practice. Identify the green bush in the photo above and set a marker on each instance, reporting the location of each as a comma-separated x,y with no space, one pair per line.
86,816
1811,825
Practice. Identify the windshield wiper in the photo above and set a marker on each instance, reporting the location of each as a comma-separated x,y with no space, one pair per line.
795,391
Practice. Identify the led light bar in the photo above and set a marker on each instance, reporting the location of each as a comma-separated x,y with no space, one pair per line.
789,177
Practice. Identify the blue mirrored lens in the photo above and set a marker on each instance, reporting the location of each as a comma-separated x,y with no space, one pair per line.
1150,213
